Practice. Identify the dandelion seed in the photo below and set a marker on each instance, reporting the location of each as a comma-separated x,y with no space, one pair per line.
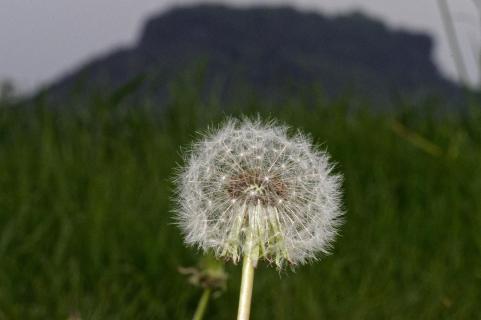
223,194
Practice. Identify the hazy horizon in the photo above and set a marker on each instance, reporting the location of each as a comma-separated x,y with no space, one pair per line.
39,43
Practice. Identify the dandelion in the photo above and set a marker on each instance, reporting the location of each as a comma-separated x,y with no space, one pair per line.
250,190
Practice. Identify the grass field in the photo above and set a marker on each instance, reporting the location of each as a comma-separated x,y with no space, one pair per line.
86,226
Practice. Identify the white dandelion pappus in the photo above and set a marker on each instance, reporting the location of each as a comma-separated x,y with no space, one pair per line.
248,189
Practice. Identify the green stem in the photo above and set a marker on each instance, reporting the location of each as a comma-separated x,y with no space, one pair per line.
245,295
453,41
202,306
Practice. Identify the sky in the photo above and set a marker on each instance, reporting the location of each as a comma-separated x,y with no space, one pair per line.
42,40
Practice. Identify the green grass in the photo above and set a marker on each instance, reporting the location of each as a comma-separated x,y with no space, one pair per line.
86,223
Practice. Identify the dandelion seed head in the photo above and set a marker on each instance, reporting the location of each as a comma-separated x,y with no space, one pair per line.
248,188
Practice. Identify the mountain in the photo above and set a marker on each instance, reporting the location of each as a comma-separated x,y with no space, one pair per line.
270,52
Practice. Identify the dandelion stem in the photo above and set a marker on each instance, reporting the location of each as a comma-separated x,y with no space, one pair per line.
202,306
245,295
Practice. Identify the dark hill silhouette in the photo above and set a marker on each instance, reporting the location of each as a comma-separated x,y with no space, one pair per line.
273,51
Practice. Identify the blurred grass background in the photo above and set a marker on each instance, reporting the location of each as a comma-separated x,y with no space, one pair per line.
86,226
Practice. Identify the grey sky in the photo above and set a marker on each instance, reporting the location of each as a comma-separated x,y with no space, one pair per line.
42,39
